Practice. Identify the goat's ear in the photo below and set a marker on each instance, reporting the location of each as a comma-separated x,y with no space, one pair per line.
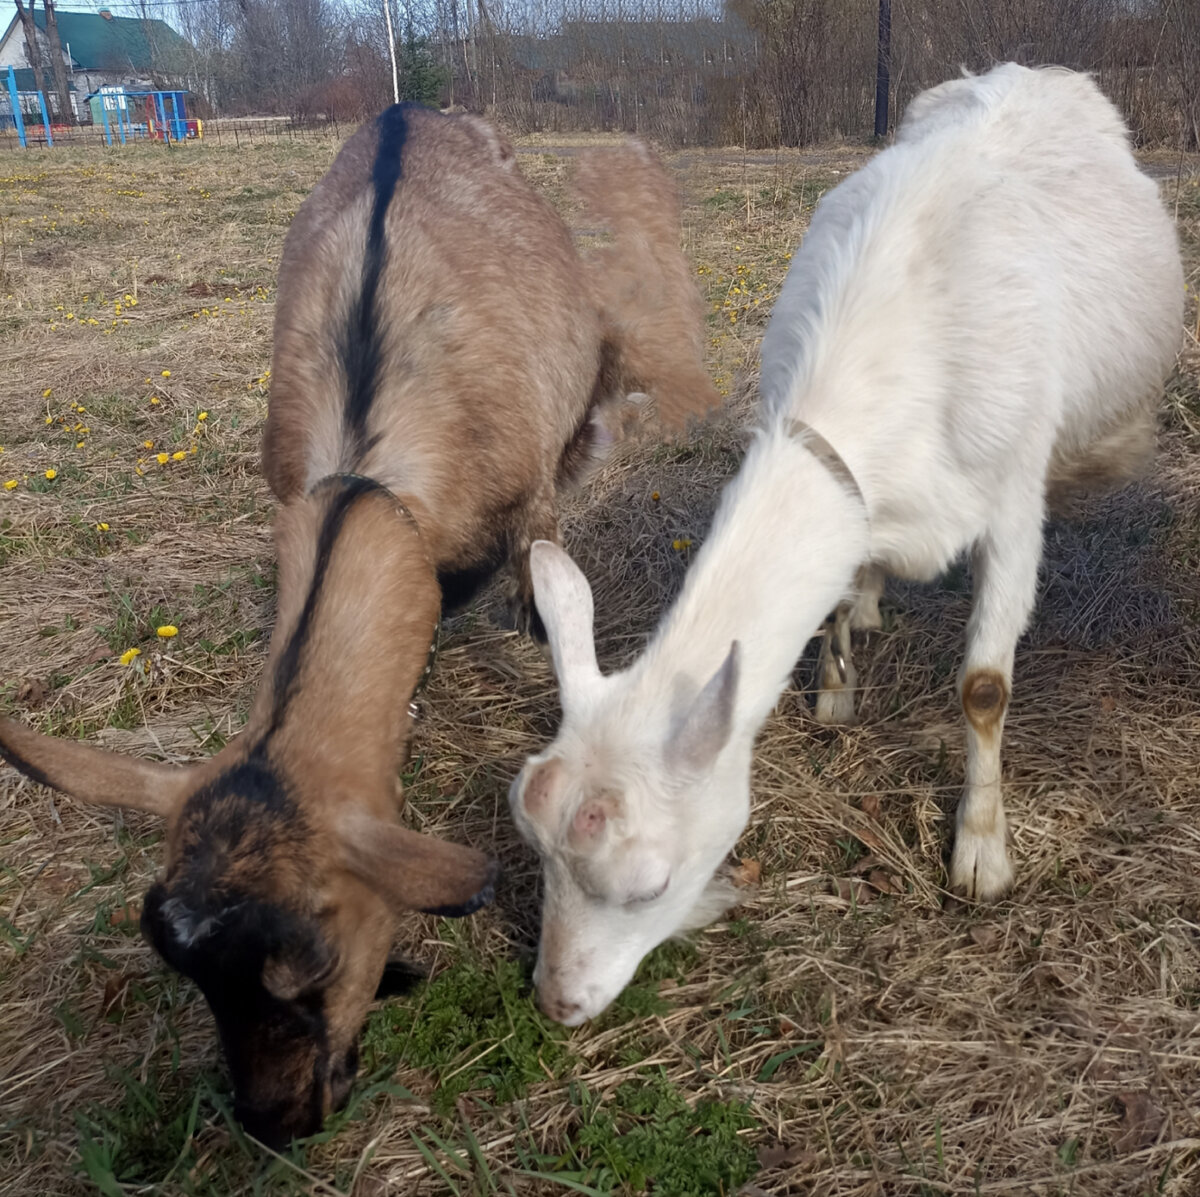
707,725
564,601
91,774
417,872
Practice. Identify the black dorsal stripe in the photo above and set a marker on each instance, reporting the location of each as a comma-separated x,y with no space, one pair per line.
351,489
362,347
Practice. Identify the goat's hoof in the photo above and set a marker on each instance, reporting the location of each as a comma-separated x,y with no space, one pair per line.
835,708
979,868
866,619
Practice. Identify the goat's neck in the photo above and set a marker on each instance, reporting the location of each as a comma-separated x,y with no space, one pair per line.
783,550
358,606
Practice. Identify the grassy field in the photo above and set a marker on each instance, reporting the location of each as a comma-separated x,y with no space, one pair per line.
843,1033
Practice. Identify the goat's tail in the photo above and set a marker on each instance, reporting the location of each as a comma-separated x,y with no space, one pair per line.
652,311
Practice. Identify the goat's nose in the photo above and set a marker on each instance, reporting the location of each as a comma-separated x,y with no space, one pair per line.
555,1006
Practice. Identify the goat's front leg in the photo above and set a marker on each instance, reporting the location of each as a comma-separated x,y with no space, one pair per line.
838,677
1005,563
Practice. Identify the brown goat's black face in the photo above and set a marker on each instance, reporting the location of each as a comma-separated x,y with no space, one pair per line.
281,911
226,917
265,972
246,913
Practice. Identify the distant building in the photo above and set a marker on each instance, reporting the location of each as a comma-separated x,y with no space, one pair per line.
100,50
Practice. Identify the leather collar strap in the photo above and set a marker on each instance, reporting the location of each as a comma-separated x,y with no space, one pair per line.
435,643
826,454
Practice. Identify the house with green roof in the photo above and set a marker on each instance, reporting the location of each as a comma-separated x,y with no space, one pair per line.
100,50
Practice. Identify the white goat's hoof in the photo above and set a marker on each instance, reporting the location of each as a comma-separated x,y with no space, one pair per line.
979,867
865,617
836,707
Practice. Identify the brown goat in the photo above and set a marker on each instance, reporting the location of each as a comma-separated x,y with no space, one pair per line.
444,362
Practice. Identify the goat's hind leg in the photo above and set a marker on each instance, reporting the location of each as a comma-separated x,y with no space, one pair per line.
1005,562
537,521
837,676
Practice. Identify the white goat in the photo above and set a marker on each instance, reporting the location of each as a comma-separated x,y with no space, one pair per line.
981,315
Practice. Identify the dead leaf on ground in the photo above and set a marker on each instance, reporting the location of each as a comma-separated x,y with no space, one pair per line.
780,1155
116,989
985,936
870,806
869,839
851,889
100,652
1140,1123
884,882
746,873
124,914
32,692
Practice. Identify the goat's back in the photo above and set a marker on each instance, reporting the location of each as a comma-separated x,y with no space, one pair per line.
432,328
998,293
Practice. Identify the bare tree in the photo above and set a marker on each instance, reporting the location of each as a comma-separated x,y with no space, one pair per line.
32,50
58,64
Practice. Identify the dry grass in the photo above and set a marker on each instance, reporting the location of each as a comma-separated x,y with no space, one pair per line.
881,1043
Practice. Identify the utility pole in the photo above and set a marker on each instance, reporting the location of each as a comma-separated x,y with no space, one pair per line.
883,68
387,16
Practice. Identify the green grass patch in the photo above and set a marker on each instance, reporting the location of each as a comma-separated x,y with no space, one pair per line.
474,1028
645,1136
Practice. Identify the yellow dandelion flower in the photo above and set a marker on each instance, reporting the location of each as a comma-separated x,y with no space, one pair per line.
654,495
51,475
154,400
47,392
11,484
179,456
194,449
167,631
202,416
147,444
166,374
149,380
49,419
101,527
162,459
682,543
129,655
80,444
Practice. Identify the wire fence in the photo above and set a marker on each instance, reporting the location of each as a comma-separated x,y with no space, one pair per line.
233,131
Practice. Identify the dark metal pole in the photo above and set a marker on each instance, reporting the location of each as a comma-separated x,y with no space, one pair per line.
883,67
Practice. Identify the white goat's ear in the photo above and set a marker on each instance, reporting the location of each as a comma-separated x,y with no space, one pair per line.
564,601
706,727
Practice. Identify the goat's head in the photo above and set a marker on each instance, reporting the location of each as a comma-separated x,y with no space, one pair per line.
283,922
285,869
632,808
